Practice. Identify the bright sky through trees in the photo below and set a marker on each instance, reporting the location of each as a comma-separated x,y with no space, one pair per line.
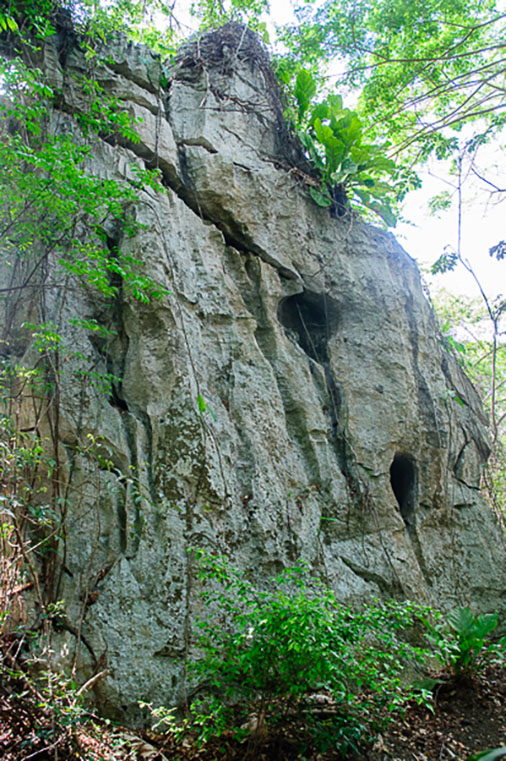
483,226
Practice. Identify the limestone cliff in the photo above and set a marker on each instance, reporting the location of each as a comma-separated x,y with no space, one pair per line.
330,430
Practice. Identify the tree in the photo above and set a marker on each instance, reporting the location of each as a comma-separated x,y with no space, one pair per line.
474,329
424,68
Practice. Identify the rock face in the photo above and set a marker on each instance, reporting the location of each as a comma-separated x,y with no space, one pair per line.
288,399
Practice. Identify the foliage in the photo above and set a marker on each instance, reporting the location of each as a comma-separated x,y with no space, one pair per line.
214,13
461,641
46,717
62,227
43,710
292,652
423,68
422,71
333,138
52,203
476,332
466,322
291,642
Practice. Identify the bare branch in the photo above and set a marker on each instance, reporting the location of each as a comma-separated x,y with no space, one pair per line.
496,189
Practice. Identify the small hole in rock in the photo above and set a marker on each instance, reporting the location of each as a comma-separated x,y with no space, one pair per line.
403,479
312,318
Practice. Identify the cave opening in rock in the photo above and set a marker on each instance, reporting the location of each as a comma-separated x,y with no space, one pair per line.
403,479
312,318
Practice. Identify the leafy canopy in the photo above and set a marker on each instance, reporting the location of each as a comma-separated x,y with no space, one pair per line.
423,69
333,138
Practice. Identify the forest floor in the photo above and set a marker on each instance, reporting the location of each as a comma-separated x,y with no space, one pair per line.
466,719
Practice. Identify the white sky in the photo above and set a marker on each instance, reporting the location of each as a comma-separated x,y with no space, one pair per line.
483,226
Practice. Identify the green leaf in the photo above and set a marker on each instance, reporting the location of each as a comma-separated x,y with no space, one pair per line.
335,104
446,263
489,755
382,164
385,212
323,132
319,197
485,623
6,22
349,166
305,89
363,195
320,112
427,683
310,145
460,619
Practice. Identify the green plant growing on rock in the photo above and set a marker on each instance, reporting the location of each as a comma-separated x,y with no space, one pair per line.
461,641
333,137
62,225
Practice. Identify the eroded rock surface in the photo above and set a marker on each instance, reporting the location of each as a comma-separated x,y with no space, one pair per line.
330,433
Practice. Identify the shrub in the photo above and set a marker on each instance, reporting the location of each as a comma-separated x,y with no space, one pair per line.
292,653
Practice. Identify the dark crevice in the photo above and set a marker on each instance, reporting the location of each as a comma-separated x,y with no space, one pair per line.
403,479
459,464
459,460
148,428
335,405
312,318
115,399
113,351
105,350
112,239
340,202
200,142
121,514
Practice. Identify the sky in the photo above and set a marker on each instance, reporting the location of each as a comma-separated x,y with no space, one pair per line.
483,226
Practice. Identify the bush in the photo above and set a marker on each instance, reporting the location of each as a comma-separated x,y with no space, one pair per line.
292,653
